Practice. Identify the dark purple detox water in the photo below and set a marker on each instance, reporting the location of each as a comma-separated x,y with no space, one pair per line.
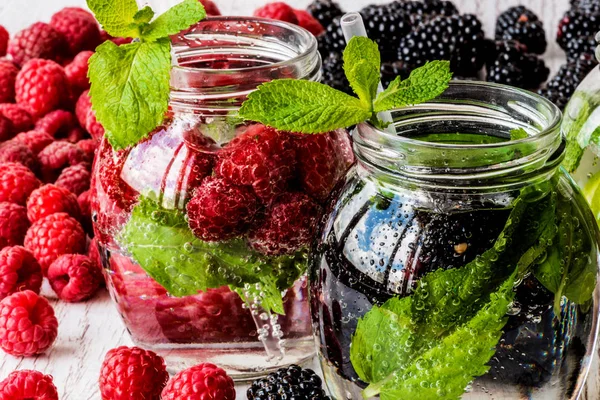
376,245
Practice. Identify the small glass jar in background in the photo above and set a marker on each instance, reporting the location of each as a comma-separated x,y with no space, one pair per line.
219,62
451,195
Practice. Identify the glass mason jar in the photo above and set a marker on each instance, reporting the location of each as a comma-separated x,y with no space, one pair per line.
219,209
581,125
455,262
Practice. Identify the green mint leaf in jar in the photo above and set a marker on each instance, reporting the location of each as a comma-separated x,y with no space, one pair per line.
130,89
117,17
174,20
130,83
160,241
362,63
311,107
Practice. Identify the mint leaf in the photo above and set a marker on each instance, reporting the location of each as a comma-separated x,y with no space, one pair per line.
445,370
567,270
303,106
160,241
423,84
174,20
144,15
117,17
130,89
579,110
266,291
518,134
362,63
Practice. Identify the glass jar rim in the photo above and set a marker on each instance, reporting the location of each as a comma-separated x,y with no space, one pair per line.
476,107
302,33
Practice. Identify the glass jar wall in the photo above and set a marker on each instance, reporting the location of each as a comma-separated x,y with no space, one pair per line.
204,225
456,262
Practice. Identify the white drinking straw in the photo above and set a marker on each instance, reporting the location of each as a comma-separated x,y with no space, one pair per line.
353,25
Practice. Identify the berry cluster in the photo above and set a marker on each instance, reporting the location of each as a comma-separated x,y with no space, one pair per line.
48,139
292,382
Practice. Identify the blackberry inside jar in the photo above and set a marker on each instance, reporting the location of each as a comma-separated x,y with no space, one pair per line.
456,262
204,226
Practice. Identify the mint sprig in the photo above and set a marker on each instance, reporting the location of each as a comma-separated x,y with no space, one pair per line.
160,241
311,107
130,83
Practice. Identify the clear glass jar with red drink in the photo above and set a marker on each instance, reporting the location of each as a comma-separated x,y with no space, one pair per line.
204,225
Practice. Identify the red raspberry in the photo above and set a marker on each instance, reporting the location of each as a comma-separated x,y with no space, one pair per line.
204,381
40,40
79,28
4,37
308,22
287,227
53,236
132,373
85,206
74,277
50,199
28,384
16,183
110,166
59,155
277,10
6,129
94,254
261,157
8,77
75,179
41,86
75,135
211,8
89,147
77,72
27,324
16,152
322,161
13,226
87,117
57,123
35,140
220,211
20,117
19,270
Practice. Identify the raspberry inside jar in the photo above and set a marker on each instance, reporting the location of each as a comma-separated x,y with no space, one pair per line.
204,226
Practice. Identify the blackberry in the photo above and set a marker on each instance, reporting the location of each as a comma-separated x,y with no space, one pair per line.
580,46
291,383
422,12
325,11
512,65
459,39
440,7
332,41
521,24
577,24
386,26
333,73
389,72
562,86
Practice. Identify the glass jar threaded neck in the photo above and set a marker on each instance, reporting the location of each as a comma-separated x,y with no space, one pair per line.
463,139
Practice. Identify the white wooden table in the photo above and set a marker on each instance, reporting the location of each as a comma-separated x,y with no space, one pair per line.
86,332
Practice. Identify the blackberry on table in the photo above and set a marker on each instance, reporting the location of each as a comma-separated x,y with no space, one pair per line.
581,46
291,383
386,26
325,11
332,41
577,24
512,65
333,73
459,39
521,24
562,86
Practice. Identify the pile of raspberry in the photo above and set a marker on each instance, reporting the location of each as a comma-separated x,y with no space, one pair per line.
268,187
48,139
